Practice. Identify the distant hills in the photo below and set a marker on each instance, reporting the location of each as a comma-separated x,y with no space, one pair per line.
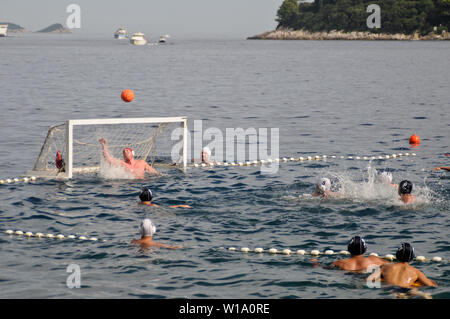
54,28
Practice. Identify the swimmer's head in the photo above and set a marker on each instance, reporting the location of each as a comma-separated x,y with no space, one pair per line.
405,253
206,153
385,178
128,154
147,228
405,187
323,185
357,246
146,195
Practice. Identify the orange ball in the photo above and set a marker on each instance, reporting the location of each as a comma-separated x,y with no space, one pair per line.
414,139
127,95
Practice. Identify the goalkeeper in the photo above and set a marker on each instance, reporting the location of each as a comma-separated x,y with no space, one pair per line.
137,167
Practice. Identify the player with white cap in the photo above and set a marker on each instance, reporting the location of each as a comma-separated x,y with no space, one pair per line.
323,188
147,230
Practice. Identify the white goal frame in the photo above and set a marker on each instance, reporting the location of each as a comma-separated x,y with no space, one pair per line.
69,170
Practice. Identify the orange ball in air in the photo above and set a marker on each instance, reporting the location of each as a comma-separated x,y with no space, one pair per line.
414,139
127,95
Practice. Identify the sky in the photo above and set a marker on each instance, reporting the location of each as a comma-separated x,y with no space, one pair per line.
183,18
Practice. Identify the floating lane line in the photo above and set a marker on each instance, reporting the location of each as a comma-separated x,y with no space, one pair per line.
324,158
50,236
328,252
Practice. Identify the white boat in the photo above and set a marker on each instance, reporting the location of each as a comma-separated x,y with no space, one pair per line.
3,30
138,39
121,33
162,39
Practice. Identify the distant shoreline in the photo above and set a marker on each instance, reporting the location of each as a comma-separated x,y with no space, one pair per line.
54,28
340,35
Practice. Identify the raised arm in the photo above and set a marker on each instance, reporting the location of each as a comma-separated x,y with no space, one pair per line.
106,155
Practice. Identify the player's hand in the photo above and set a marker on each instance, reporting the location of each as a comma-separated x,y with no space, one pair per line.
102,141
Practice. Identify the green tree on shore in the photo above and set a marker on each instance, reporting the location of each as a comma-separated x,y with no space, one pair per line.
287,14
397,16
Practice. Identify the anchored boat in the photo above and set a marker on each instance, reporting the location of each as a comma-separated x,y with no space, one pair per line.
3,30
138,39
121,33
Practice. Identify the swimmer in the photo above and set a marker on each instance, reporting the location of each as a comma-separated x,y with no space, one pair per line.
386,178
137,167
205,155
446,168
146,230
323,188
404,190
401,274
146,197
357,262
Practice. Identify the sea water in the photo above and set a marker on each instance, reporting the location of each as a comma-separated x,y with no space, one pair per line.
337,98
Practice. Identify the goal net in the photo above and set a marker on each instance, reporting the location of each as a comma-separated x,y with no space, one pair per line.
159,141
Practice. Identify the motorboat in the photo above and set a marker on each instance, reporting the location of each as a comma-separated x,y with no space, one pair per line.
138,39
3,30
121,33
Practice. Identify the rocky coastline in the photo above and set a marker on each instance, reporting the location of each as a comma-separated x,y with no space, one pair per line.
340,35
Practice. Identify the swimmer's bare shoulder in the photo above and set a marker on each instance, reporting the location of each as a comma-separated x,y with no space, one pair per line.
339,263
148,244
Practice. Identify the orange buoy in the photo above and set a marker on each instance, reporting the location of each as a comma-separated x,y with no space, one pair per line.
414,139
127,95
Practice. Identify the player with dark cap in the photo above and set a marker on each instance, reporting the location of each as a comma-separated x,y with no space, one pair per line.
146,197
404,190
357,262
401,274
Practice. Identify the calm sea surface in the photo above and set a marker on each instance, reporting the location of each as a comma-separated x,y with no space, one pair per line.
328,98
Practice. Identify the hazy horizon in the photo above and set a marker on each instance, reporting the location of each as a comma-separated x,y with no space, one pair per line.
195,18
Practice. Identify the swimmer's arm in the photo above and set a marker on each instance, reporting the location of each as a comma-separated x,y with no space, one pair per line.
336,264
150,169
106,155
167,246
447,168
180,206
421,278
379,261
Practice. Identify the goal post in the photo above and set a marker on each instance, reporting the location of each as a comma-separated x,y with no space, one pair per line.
160,141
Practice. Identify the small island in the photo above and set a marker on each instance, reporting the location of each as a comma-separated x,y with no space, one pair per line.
347,20
55,28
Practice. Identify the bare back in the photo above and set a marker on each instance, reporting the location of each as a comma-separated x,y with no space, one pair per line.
147,242
404,275
359,263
